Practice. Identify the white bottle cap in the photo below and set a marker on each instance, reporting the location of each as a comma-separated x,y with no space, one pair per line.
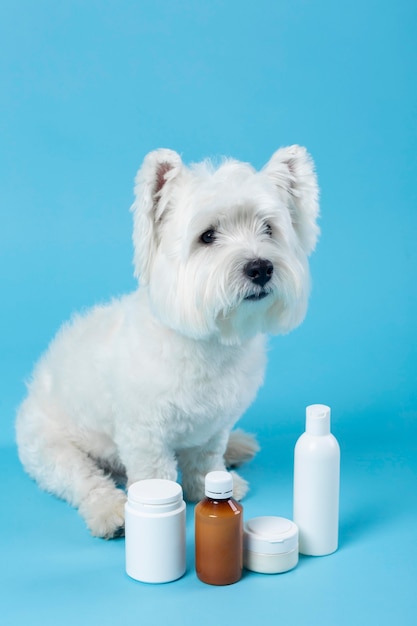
219,485
318,419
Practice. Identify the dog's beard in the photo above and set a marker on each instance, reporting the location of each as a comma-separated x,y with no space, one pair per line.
204,301
275,309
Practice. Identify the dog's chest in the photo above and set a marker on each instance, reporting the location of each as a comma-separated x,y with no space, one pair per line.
210,390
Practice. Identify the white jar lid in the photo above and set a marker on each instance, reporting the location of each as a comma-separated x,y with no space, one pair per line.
155,491
270,535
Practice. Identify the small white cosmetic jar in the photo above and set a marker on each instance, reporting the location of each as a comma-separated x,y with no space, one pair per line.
270,545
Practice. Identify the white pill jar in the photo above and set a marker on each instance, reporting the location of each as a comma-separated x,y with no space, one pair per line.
155,531
270,545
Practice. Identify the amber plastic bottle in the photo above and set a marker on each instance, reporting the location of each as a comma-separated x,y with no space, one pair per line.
219,532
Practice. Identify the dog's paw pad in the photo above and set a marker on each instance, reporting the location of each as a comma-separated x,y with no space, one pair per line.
118,533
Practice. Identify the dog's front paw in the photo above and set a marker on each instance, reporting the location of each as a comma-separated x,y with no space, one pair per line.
104,513
194,490
240,486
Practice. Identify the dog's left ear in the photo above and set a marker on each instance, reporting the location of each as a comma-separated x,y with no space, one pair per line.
292,171
153,187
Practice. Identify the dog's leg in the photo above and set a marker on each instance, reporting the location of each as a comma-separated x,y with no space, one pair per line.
145,456
196,462
53,458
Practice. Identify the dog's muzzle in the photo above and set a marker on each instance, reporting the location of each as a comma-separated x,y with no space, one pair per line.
259,271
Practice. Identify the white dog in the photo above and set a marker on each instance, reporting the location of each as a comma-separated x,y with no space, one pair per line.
156,380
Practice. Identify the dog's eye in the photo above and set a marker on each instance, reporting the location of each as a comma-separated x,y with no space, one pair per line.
268,229
208,236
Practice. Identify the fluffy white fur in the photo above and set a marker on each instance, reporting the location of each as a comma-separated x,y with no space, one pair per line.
156,380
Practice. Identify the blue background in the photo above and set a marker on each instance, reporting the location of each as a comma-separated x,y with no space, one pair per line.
87,89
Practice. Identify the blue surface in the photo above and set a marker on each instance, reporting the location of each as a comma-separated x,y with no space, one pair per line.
88,88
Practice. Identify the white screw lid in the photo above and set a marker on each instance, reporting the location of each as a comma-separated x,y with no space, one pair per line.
219,485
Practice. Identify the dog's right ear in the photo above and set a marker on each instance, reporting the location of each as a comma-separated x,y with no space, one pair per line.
153,184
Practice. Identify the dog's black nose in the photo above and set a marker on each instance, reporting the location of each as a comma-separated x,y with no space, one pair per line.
259,271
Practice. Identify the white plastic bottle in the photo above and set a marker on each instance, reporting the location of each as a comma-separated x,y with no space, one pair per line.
316,484
155,531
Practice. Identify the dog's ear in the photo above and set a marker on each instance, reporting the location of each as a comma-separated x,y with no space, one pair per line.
153,185
292,171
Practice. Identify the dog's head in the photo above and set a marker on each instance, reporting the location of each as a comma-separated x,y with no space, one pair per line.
223,250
